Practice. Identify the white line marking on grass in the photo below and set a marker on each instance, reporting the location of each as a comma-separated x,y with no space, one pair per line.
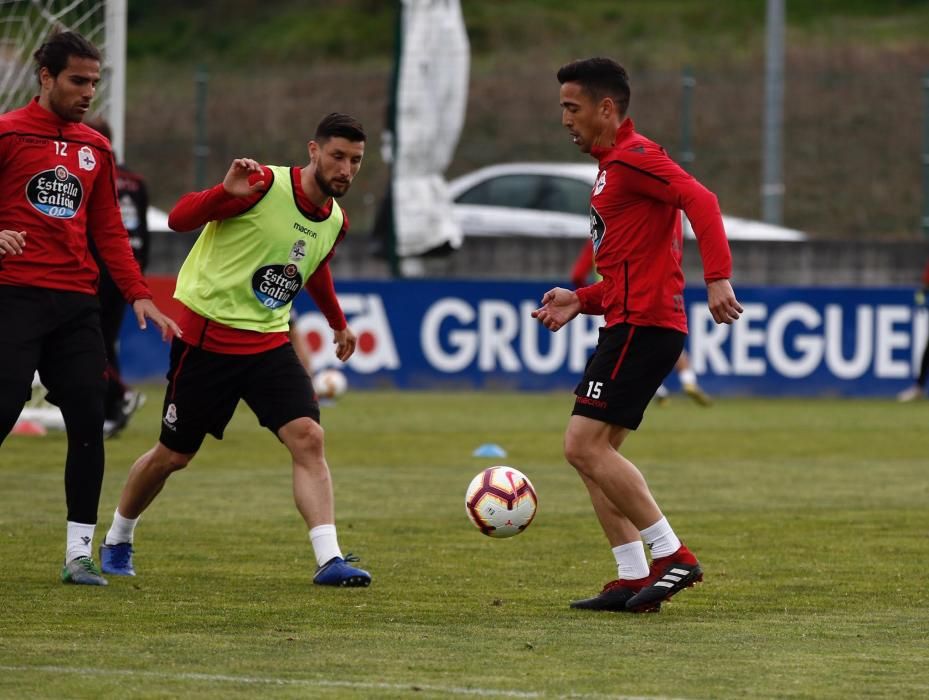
312,683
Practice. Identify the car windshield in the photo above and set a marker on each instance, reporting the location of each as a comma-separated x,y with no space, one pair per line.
531,191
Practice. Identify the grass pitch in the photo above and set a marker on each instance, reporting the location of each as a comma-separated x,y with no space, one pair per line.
809,517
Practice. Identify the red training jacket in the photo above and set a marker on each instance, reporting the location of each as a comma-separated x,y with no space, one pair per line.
635,223
56,184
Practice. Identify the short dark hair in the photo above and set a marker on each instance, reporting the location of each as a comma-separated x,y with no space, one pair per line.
59,47
599,78
338,124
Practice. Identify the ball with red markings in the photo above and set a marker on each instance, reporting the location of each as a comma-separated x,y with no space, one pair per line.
330,384
501,501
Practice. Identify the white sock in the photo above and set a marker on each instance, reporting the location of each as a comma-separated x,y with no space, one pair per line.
121,530
80,539
661,539
688,377
630,561
325,543
662,392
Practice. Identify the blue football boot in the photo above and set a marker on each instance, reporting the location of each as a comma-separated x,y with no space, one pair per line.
338,572
116,559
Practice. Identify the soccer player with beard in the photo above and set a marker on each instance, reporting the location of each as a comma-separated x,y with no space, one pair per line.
269,231
56,189
635,223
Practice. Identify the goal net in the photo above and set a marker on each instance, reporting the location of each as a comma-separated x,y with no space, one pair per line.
26,24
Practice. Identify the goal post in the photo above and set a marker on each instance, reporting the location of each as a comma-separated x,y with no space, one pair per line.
114,53
26,24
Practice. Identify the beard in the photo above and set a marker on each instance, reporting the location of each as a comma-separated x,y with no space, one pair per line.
69,113
328,188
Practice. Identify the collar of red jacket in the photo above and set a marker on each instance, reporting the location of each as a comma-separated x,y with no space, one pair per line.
626,130
39,113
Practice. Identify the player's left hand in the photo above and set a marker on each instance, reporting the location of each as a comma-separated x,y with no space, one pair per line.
145,308
724,307
345,341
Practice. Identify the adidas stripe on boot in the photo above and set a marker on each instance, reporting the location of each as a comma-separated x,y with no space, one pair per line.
667,576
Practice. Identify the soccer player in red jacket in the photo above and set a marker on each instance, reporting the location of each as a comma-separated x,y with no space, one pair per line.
918,389
56,185
635,225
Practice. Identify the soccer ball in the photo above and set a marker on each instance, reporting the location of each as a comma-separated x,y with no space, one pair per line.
501,502
330,383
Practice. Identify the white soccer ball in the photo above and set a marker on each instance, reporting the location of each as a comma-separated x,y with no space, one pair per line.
330,383
501,501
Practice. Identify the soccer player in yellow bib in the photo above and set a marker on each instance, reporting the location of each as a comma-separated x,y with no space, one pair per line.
269,231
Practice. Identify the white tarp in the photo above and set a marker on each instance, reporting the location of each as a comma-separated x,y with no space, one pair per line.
432,93
157,220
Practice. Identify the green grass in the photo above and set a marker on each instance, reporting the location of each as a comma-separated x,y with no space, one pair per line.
809,517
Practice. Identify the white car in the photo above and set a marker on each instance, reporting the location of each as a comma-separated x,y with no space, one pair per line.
553,200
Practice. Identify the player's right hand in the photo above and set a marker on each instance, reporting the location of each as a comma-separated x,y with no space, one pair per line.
559,306
244,178
12,242
145,308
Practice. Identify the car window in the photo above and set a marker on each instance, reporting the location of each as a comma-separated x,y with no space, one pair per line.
565,194
521,191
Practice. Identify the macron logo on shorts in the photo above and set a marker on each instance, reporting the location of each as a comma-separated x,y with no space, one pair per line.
591,402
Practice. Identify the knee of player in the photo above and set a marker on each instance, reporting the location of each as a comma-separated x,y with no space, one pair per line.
303,435
167,461
80,399
578,452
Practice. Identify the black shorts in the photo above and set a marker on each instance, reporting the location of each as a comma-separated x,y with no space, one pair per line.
625,371
55,332
204,389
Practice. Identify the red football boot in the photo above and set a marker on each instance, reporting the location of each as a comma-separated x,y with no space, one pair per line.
667,576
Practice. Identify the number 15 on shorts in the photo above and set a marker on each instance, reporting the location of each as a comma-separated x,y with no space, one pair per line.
594,389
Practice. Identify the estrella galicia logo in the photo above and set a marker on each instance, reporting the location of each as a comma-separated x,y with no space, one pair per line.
597,228
55,192
276,285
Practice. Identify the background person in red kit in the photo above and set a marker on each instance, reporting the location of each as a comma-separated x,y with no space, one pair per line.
57,186
636,233
918,389
121,401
